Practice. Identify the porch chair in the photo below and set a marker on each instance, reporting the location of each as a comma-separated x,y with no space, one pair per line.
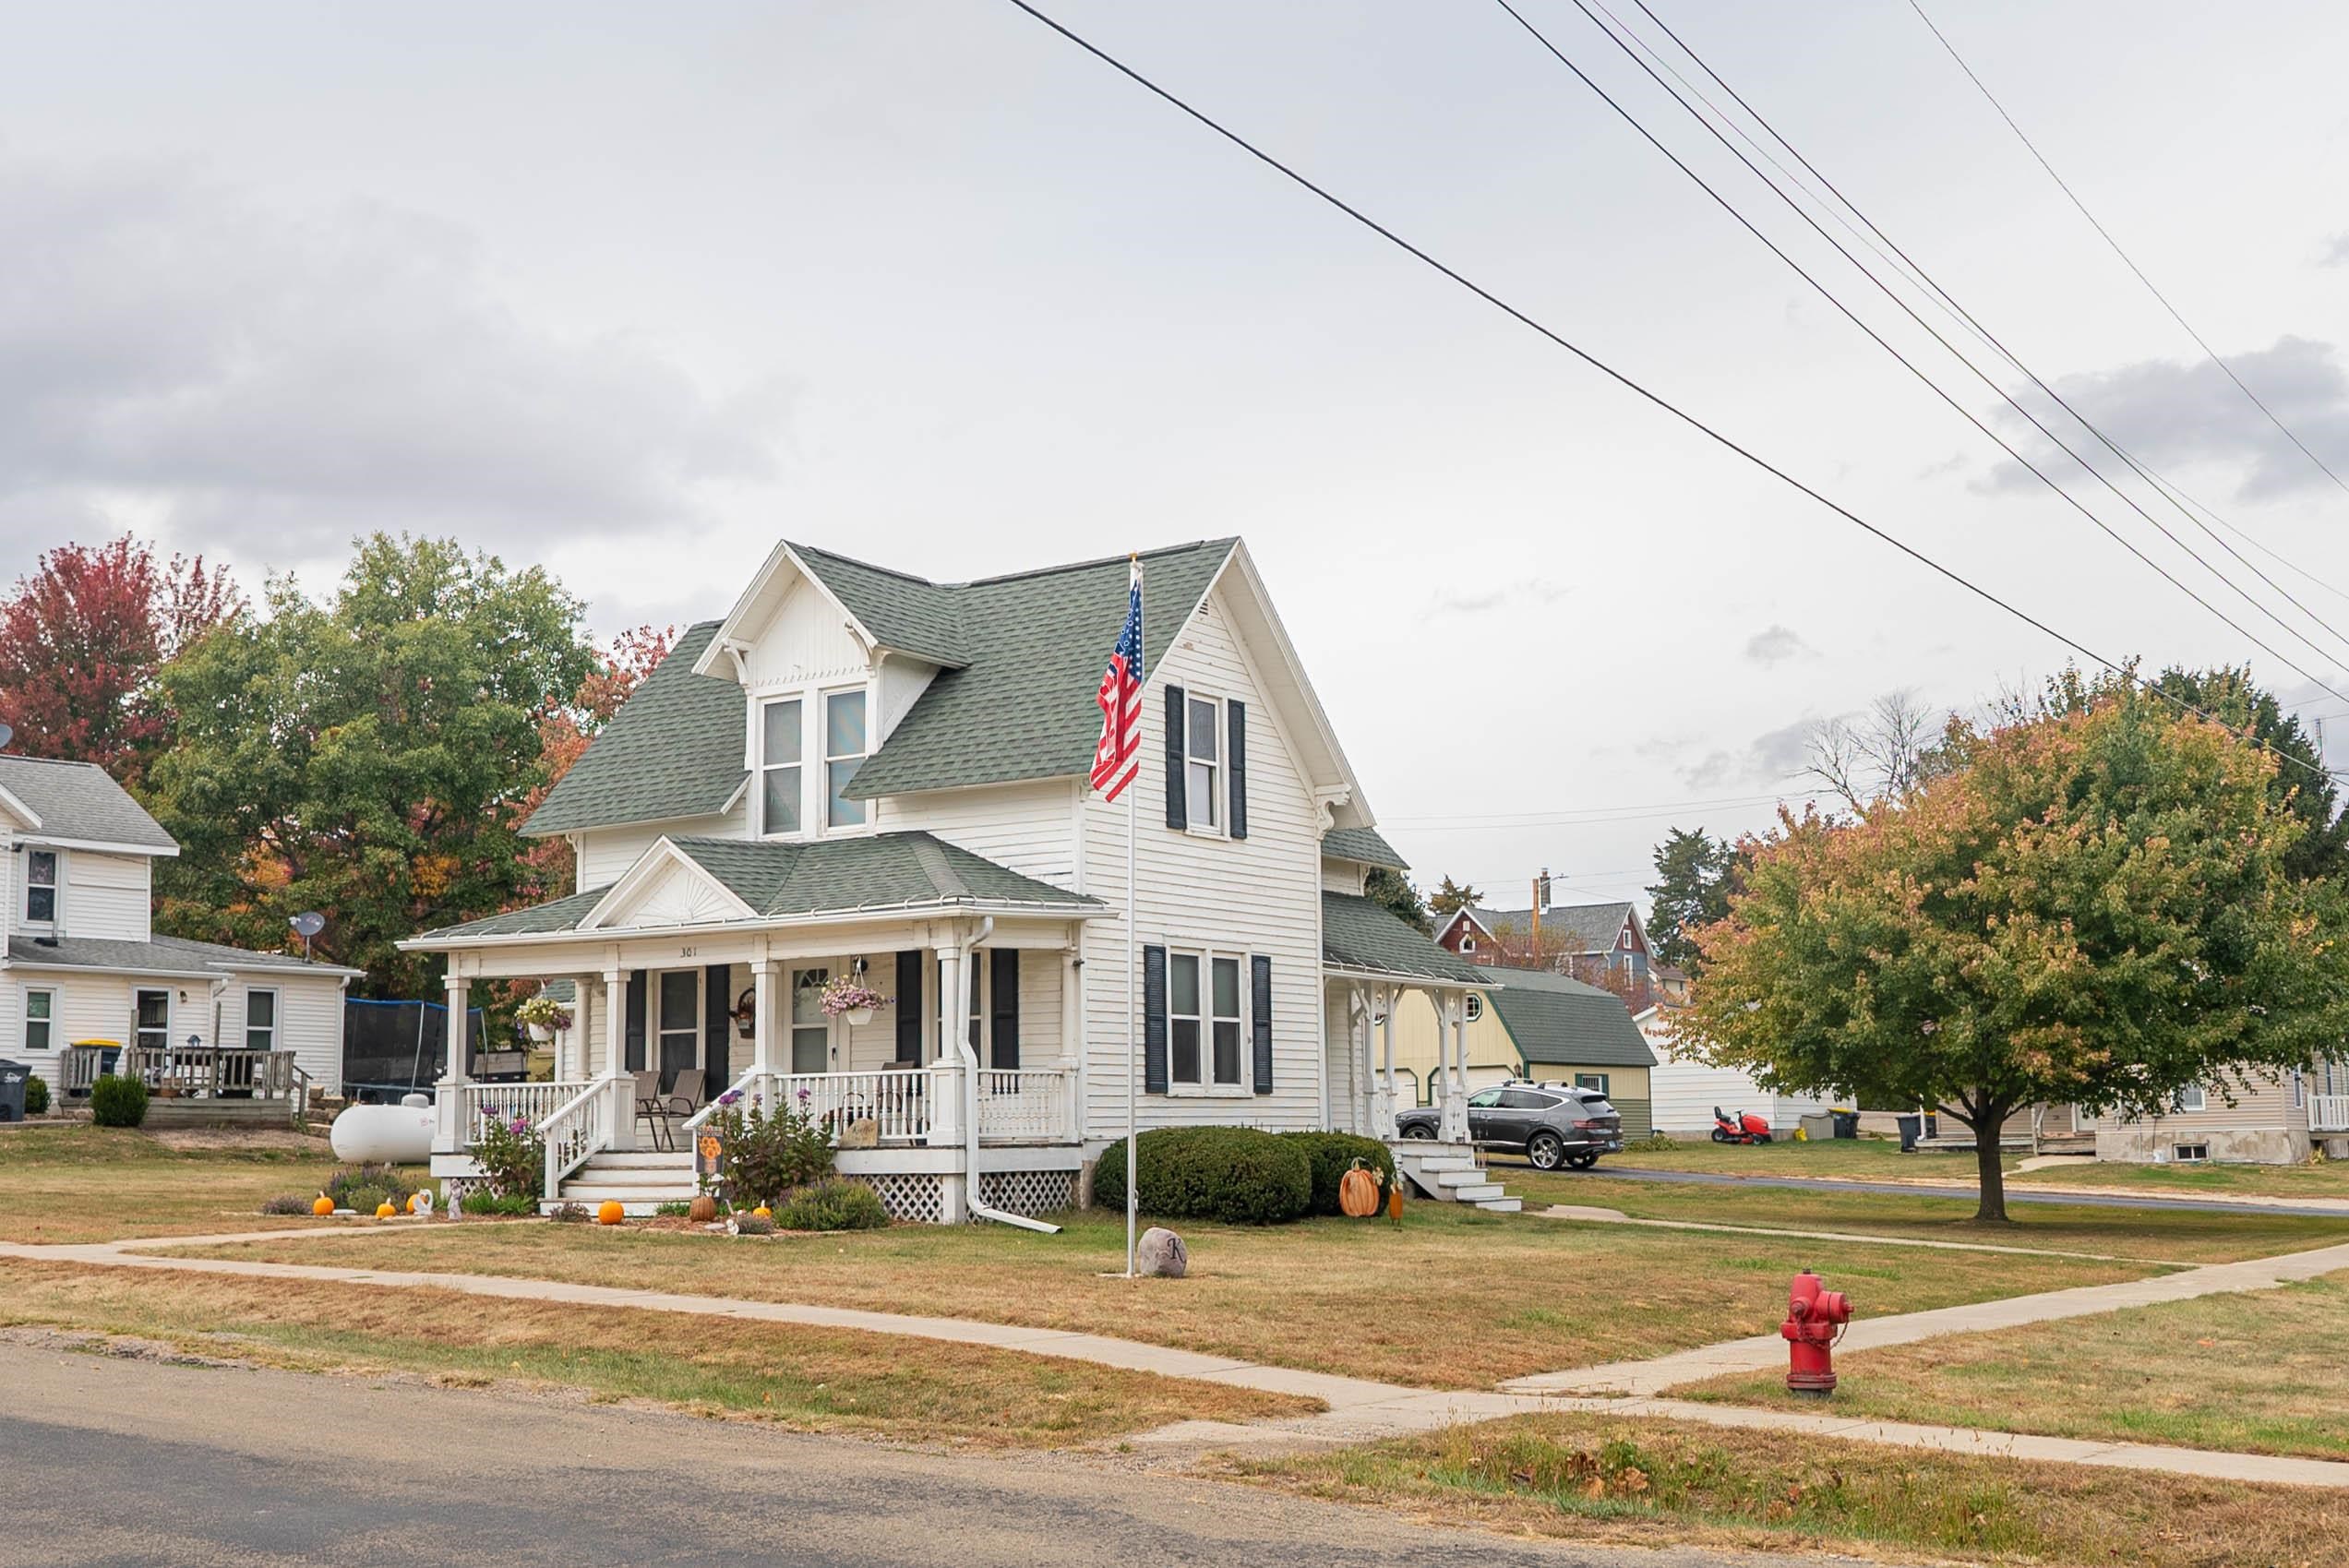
685,1095
650,1108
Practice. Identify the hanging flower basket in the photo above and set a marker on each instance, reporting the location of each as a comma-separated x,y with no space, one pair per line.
544,1017
845,997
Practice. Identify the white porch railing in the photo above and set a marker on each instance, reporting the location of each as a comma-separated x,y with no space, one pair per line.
1027,1104
2328,1113
581,1125
532,1102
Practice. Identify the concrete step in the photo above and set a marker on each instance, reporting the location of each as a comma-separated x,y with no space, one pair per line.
1501,1205
580,1191
1468,1178
1481,1194
635,1208
639,1159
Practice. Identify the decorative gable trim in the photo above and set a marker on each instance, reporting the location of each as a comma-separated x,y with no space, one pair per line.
19,811
666,887
730,635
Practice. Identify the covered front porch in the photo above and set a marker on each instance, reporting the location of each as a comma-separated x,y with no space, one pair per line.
972,1039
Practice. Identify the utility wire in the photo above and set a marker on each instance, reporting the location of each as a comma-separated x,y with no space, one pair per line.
2106,236
1618,377
1910,365
2185,505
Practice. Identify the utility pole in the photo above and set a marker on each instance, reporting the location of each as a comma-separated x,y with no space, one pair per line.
1541,897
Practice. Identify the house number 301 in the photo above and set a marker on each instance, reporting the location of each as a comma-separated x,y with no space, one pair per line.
688,951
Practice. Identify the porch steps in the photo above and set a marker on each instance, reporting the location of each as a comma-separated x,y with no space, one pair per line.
1451,1173
640,1180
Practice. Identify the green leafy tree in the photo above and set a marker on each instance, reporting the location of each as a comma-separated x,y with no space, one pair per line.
1393,891
2093,907
1694,874
369,757
1451,897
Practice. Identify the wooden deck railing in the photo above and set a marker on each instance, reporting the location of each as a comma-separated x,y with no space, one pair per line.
2328,1113
217,1072
1026,1106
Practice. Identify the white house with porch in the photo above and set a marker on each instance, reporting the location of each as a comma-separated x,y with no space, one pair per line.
861,772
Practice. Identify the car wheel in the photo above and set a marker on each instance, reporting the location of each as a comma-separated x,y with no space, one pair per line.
1720,1136
1543,1151
1581,1162
1418,1130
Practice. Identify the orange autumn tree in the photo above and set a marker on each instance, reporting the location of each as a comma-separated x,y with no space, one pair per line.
2087,907
564,730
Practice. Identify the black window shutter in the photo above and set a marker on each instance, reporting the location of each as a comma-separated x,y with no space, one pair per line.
1260,990
909,1007
1004,1000
635,1060
1154,1020
718,990
1237,762
1177,811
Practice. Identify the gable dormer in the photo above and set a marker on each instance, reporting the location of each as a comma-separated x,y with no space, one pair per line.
76,852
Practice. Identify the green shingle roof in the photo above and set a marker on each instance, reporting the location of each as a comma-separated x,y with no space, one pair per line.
80,800
827,876
1363,846
905,612
673,750
1033,646
1359,934
1570,927
1553,1018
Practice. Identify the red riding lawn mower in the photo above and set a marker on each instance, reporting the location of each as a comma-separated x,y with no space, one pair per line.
1741,1127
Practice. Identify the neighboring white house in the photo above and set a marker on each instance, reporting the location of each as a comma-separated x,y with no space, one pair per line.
80,960
859,773
1682,1091
2244,1118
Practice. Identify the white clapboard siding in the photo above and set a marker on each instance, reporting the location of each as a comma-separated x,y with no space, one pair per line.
1257,896
309,1021
606,853
1342,876
105,895
804,638
1030,827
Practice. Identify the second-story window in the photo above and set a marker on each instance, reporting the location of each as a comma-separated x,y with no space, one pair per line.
779,766
40,886
843,748
1203,763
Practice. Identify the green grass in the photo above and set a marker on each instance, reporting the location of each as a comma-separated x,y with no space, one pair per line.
2173,1235
1598,1478
2259,1372
1454,1298
77,1182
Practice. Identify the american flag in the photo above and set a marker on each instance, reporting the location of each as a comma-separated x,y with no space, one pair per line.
1118,755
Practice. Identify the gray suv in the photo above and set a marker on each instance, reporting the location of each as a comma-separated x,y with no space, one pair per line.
1551,1124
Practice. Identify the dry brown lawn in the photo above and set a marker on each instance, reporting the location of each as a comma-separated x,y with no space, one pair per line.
1453,1298
2259,1372
76,1182
812,1378
1596,1477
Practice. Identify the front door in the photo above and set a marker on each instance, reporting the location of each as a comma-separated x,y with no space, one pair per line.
152,1020
679,1005
811,1027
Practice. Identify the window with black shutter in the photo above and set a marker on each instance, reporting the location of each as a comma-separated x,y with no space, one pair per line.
1236,767
1178,814
1260,1026
1154,1020
634,1036
1003,1016
909,1007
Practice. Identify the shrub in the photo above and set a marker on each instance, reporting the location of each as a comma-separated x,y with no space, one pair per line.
1235,1175
363,1187
753,1224
672,1211
1654,1143
570,1214
118,1102
286,1203
1332,1154
511,1153
830,1204
36,1095
764,1156
483,1202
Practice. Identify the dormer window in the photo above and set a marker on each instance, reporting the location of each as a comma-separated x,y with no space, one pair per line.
40,886
779,766
843,748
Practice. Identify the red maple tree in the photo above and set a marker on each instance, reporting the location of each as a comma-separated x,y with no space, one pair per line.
564,731
81,640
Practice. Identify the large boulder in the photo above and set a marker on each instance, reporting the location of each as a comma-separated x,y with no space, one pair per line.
1160,1254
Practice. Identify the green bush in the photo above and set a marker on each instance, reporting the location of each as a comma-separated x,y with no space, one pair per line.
766,1156
36,1095
365,1187
672,1211
1235,1175
118,1102
481,1201
830,1204
1332,1154
287,1203
752,1225
570,1214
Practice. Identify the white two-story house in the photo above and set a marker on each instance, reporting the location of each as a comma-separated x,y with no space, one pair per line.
80,963
861,772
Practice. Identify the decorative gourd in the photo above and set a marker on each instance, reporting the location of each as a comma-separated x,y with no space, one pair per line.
704,1210
1357,1193
1395,1202
325,1206
610,1213
385,1210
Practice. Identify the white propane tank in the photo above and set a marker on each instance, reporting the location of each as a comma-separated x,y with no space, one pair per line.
400,1134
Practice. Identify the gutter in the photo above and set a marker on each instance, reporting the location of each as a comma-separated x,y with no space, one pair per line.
964,953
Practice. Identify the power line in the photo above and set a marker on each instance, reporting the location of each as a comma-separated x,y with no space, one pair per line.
2185,505
1618,377
2106,236
1565,815
1911,366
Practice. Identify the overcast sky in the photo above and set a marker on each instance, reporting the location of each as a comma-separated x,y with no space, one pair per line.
635,290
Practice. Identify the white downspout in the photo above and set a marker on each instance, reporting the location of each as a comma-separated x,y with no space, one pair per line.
959,1029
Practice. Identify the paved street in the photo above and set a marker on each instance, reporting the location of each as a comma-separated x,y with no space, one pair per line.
108,1460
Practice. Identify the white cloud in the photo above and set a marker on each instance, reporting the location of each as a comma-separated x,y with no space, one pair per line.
1776,644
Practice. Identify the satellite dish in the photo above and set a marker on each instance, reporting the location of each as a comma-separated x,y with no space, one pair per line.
7,735
307,924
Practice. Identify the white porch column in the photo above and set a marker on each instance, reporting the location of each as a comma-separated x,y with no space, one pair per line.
763,1033
1073,1030
946,1106
448,1099
1382,1112
619,1095
1451,1045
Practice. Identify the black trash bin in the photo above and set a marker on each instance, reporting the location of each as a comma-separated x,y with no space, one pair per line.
1847,1124
1911,1127
12,1090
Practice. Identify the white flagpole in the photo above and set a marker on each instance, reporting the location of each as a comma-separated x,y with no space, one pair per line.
1133,1065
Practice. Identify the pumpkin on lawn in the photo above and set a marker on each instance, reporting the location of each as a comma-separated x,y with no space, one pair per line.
1357,1193
704,1210
385,1210
325,1206
611,1213
764,1212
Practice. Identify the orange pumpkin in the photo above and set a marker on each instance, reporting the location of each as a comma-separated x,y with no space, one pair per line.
385,1210
704,1210
611,1213
325,1206
1357,1193
764,1212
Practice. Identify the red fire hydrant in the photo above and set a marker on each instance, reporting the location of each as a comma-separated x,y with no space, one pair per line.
1814,1316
